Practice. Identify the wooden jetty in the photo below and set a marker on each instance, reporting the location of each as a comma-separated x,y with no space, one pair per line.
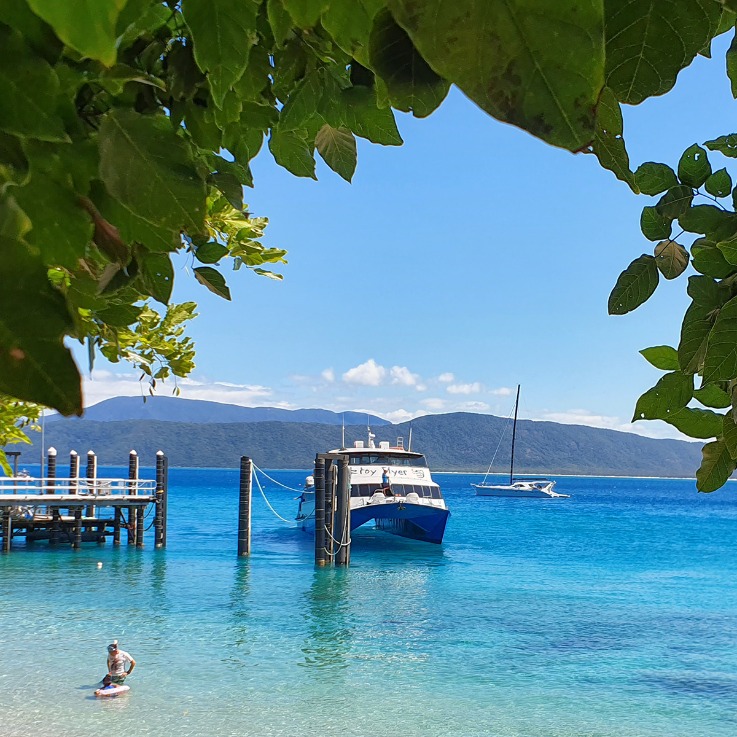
89,508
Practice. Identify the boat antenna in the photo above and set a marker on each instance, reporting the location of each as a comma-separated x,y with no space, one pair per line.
409,442
514,435
342,442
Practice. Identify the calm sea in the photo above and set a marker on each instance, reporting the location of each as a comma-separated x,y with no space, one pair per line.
609,614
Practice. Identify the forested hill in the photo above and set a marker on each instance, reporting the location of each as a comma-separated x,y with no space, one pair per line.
451,442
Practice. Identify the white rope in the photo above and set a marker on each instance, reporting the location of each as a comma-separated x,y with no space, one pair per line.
278,483
276,514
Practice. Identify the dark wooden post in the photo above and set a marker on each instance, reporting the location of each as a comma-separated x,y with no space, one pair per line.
55,526
73,471
7,531
133,477
51,470
330,484
244,507
165,503
91,479
320,554
343,515
77,539
117,521
159,508
139,526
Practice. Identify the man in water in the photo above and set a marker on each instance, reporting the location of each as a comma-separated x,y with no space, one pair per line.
116,660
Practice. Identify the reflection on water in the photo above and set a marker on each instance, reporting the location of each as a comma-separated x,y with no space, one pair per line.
327,613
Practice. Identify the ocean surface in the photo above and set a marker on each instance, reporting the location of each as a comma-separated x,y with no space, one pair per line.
609,614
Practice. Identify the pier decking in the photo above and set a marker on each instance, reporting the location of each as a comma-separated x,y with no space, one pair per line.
78,509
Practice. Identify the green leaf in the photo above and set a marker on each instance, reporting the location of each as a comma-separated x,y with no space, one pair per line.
34,364
29,90
349,23
229,185
292,152
671,258
654,225
38,34
301,105
729,432
719,184
412,83
661,356
707,259
648,43
704,219
537,65
652,178
705,292
61,230
732,65
157,275
14,223
694,167
729,250
363,116
697,324
726,145
716,467
337,146
223,32
146,166
210,252
280,21
697,423
609,144
720,361
635,285
671,394
305,13
88,26
711,395
213,280
675,202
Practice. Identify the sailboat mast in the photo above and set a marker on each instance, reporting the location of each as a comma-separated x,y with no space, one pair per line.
514,435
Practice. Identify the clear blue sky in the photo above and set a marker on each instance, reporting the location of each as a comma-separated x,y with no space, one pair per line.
472,258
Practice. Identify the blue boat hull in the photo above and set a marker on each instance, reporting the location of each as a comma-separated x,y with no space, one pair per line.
415,521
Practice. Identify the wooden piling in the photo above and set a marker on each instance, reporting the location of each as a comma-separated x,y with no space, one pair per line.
77,536
319,474
91,479
51,469
132,476
55,527
343,515
139,527
165,502
73,471
159,504
244,507
117,523
7,529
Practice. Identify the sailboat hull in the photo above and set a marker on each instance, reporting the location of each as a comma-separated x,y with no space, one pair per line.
520,490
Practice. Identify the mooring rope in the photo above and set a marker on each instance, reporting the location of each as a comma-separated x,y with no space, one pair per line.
278,483
290,522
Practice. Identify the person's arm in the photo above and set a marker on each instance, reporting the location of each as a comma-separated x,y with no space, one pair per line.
133,665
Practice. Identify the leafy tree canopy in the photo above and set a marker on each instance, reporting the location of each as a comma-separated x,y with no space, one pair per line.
127,128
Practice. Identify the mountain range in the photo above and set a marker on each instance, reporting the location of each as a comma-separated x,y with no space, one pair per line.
195,434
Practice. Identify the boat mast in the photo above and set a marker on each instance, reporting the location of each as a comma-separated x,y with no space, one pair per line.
514,434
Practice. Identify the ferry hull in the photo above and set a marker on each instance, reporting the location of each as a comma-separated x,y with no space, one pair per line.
415,521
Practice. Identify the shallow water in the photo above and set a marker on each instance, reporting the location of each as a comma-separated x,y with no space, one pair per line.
610,613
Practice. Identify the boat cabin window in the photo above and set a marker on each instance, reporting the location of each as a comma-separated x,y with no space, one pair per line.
428,492
381,459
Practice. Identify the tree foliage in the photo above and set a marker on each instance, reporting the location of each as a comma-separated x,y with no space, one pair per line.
128,127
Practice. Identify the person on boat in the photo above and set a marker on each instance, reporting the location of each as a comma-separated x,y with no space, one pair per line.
309,488
386,483
116,660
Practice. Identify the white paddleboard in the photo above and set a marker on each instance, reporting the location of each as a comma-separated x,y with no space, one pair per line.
114,691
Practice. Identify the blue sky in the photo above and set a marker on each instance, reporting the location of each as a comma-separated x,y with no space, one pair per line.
469,260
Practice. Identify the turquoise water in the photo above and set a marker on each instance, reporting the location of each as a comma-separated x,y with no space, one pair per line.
613,613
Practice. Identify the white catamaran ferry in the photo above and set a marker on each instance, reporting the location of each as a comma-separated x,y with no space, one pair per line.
390,485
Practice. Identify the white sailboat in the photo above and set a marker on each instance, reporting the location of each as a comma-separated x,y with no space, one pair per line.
520,488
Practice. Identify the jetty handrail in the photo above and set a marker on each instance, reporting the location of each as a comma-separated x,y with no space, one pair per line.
77,486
